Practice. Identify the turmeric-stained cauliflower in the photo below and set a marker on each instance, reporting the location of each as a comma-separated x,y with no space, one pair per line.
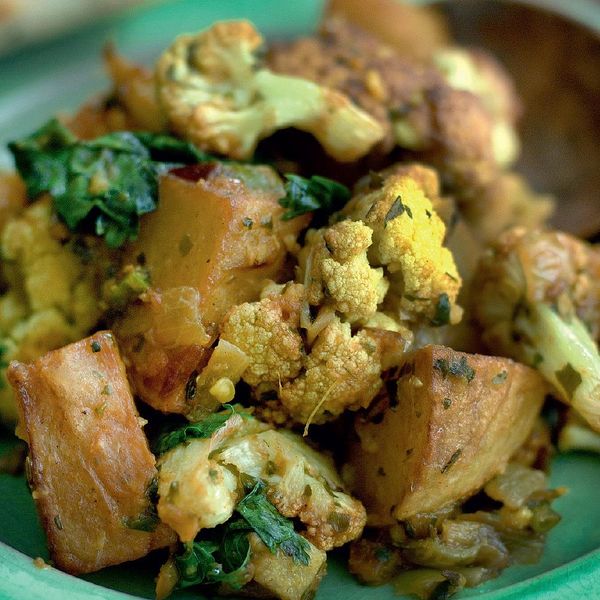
201,482
216,93
268,333
53,289
336,270
408,242
341,372
316,369
537,297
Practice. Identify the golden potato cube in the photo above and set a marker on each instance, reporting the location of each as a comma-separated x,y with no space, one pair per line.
452,424
89,462
217,231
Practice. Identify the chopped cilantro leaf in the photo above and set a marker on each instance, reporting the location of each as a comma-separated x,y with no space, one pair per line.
273,529
100,186
442,311
202,429
317,194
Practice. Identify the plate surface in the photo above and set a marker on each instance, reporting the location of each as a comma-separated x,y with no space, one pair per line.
51,77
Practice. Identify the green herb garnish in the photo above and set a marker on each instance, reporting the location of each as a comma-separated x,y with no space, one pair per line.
457,367
317,194
275,531
99,186
209,562
500,377
442,311
569,378
451,460
397,209
148,519
201,430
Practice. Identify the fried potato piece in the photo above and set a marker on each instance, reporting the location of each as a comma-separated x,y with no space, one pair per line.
214,240
452,425
89,462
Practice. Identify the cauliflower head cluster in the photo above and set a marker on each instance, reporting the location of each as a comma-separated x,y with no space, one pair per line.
215,92
313,382
537,298
201,481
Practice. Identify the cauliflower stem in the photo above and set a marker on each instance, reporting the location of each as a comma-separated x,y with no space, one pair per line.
564,352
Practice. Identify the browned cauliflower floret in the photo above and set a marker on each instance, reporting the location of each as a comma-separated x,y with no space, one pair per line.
216,93
267,332
413,31
537,297
336,270
201,482
413,102
408,238
342,372
52,294
315,372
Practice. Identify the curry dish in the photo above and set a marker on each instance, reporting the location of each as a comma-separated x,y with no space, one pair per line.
265,300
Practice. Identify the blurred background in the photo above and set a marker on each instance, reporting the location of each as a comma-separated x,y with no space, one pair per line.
50,62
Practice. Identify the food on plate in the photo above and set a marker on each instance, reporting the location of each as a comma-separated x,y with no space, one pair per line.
216,92
288,257
538,301
90,468
451,422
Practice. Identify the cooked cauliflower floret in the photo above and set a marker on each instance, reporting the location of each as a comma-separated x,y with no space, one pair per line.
216,93
313,383
52,296
268,333
196,490
200,482
417,108
408,238
537,297
336,270
342,372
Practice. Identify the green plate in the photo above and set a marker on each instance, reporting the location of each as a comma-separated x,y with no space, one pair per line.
59,75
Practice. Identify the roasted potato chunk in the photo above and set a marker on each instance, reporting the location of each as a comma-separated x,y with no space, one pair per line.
218,235
451,425
89,463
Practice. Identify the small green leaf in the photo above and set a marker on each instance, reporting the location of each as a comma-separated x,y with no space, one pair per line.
451,460
317,194
210,562
442,311
148,519
275,531
397,209
201,430
500,378
457,367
